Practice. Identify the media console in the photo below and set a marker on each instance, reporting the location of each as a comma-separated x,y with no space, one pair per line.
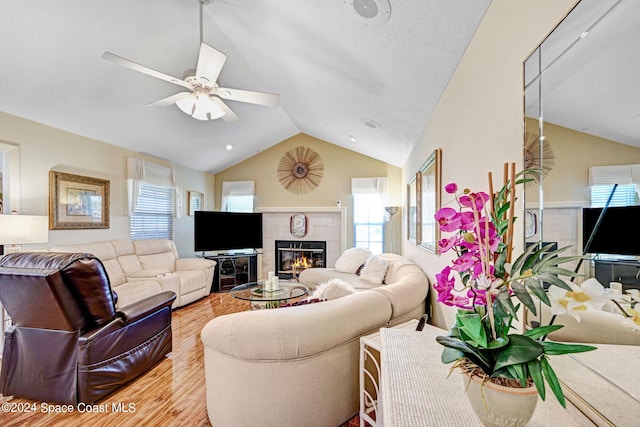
625,271
232,270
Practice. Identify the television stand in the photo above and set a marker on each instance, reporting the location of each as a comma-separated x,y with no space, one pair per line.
233,270
618,270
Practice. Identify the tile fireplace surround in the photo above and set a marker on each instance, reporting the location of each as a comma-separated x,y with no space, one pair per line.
323,223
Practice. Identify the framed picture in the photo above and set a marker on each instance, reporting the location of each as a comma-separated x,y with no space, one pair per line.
195,201
77,202
412,210
430,199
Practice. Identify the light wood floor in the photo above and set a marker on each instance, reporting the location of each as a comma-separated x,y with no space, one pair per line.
170,394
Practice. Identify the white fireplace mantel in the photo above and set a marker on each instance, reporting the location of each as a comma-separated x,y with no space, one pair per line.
327,223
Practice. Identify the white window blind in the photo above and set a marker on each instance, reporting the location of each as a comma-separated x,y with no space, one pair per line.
603,178
368,212
152,200
238,196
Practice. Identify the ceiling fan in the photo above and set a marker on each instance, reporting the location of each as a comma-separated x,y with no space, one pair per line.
202,101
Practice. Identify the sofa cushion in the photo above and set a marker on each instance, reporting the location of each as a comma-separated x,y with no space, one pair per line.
164,260
332,289
374,270
312,277
352,259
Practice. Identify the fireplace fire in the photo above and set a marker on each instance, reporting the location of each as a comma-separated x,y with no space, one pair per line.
294,256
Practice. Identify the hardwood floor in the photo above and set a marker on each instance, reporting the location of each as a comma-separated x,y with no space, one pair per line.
170,394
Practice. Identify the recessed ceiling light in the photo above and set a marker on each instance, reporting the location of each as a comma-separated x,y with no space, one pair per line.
228,147
371,123
352,138
374,12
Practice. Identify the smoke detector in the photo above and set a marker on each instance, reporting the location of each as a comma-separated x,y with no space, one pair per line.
374,12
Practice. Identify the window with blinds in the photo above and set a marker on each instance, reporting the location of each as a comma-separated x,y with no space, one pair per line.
602,180
368,212
152,217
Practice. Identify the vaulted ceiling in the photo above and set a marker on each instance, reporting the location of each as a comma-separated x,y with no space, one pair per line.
366,83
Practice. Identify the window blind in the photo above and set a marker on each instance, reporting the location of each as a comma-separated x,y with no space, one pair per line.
153,211
603,178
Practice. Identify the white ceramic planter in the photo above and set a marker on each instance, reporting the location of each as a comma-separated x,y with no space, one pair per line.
499,406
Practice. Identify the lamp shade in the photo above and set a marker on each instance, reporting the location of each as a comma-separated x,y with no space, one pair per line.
22,229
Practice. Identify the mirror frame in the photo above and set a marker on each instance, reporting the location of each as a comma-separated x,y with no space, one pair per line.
430,178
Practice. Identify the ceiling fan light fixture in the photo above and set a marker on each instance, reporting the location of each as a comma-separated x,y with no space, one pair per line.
199,106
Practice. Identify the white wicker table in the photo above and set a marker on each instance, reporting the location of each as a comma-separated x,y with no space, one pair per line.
416,391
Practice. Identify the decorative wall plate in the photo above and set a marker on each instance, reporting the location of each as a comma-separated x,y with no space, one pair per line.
300,170
298,225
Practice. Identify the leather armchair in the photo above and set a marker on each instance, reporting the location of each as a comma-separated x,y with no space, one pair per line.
68,343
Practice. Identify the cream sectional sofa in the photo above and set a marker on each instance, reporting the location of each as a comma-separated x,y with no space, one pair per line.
141,268
298,366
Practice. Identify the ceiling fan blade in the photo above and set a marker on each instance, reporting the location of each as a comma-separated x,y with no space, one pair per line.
210,63
170,100
260,98
145,70
229,116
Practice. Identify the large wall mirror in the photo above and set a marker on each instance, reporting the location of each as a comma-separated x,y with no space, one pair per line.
582,130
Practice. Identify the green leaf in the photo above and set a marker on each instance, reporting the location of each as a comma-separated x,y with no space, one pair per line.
519,371
552,379
505,302
523,296
535,286
554,280
555,348
521,349
542,331
536,374
471,353
471,324
519,262
450,355
498,343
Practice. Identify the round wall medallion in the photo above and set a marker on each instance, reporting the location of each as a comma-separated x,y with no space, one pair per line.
300,170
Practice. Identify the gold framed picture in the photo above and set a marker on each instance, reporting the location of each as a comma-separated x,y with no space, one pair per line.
77,202
195,201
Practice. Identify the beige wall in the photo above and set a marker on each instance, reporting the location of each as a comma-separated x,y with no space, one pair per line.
43,148
575,152
479,120
340,165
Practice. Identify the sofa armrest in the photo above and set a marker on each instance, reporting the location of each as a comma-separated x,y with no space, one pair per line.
144,307
406,294
194,264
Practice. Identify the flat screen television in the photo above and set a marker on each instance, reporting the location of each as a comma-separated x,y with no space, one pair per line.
618,233
221,231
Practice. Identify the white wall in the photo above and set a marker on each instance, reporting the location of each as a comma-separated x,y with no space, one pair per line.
478,122
43,148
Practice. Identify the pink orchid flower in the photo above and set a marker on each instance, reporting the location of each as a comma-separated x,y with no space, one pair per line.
448,219
451,188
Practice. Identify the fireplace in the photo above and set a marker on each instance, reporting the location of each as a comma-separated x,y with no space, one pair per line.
299,254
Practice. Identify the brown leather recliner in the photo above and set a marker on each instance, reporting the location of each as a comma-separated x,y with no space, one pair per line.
68,344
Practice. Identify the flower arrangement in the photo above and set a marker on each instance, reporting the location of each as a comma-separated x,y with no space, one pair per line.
483,282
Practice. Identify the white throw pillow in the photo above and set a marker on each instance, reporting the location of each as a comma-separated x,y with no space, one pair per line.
352,259
332,289
374,270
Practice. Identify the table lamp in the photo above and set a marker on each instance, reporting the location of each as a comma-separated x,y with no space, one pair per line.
17,230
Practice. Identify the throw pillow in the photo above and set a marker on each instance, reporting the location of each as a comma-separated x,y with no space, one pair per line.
351,259
332,289
301,302
374,270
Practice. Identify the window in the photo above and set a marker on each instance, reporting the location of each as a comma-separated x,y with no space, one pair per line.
237,196
152,201
602,180
368,213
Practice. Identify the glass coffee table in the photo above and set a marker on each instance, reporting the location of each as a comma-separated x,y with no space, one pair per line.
260,299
